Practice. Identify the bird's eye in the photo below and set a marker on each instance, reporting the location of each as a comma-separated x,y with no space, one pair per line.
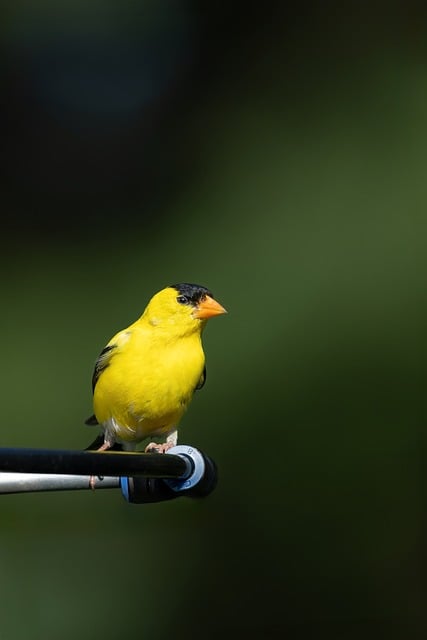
182,299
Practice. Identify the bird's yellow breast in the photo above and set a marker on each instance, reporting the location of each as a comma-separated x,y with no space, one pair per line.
148,382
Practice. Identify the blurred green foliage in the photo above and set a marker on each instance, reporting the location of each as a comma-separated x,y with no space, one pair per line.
307,220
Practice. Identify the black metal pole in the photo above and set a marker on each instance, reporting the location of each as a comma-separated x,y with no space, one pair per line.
105,463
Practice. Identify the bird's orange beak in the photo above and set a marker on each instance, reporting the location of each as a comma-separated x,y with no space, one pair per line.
208,308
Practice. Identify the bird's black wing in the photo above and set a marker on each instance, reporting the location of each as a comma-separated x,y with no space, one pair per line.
102,363
202,380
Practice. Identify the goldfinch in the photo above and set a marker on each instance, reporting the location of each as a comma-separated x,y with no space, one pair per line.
145,377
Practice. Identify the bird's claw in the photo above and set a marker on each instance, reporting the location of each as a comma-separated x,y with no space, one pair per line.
92,481
155,447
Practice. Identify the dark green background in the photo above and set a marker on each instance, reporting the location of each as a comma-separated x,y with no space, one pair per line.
277,155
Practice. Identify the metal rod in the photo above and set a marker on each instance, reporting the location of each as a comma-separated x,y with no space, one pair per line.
33,482
87,463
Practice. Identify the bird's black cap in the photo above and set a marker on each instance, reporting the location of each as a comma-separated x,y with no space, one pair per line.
192,292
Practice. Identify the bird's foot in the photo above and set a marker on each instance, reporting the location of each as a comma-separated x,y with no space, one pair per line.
92,482
155,447
104,447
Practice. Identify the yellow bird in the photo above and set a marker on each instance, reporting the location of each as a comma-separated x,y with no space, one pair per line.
145,377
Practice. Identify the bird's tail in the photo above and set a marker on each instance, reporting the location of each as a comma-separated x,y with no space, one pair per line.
99,441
